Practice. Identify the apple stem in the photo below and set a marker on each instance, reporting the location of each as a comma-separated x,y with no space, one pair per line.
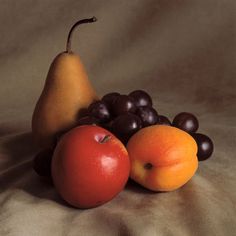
68,43
105,138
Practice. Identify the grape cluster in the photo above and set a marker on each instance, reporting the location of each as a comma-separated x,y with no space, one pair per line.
123,115
189,123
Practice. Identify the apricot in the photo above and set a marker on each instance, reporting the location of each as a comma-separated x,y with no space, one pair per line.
163,158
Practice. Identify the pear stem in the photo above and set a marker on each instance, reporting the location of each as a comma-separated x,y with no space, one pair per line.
68,43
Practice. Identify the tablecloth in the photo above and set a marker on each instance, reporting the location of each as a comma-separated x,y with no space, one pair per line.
181,52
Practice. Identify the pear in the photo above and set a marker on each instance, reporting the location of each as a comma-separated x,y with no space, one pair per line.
66,93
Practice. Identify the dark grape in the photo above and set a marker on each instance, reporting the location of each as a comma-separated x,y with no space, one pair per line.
124,126
186,121
141,98
123,104
205,146
163,120
109,99
148,115
88,120
42,163
99,110
107,125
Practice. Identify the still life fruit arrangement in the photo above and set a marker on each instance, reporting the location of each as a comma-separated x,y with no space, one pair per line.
91,146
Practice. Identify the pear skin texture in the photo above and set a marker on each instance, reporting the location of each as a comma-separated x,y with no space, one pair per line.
67,91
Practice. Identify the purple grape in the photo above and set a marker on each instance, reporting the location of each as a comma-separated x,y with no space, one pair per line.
109,99
123,104
141,98
99,110
107,125
163,120
186,121
148,115
205,146
124,126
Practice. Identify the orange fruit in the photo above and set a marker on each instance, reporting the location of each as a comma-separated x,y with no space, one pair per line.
163,158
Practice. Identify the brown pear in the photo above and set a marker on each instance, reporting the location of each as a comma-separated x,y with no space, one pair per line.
66,93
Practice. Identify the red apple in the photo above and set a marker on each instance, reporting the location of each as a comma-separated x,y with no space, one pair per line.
90,166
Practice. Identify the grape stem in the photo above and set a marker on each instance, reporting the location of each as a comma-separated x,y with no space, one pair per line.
69,37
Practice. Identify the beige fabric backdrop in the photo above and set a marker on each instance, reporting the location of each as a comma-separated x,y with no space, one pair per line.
182,52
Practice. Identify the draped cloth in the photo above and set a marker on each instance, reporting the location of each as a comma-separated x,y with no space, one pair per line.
181,52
